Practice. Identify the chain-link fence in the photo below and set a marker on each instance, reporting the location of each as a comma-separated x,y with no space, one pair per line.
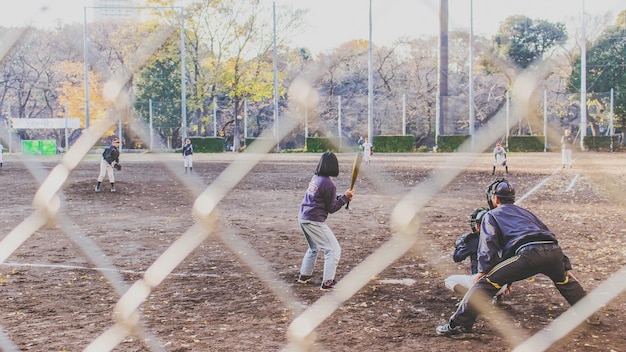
404,222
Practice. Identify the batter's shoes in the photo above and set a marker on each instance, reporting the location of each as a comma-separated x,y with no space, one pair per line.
112,189
97,188
454,332
328,285
304,279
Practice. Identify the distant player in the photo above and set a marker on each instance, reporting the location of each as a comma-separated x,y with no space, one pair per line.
188,155
367,150
567,141
500,155
1,154
110,160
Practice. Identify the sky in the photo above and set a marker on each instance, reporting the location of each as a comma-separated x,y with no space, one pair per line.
330,23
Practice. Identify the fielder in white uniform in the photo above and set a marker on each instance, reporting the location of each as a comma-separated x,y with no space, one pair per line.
500,154
188,155
367,150
110,157
567,141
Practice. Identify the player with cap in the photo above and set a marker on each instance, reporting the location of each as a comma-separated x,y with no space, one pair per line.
467,246
514,245
110,160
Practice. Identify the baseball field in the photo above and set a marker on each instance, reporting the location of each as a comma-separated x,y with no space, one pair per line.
142,269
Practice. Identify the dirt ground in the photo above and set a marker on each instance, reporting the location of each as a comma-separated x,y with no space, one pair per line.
54,299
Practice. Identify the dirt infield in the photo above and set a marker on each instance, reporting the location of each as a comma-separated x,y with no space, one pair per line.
222,297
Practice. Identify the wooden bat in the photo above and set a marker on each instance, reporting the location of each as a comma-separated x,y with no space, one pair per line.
356,166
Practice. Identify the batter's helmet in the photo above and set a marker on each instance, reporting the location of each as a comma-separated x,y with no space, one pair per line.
502,189
476,217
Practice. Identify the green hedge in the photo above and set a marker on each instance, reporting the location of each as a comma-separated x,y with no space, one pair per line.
321,144
526,143
394,144
600,143
207,144
447,144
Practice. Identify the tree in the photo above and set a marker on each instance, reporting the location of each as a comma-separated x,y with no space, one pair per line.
606,70
523,41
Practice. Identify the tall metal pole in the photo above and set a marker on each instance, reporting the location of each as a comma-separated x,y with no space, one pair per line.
183,86
339,120
404,114
583,82
370,85
442,74
86,68
214,116
471,73
275,81
508,116
245,118
151,126
67,139
611,127
545,121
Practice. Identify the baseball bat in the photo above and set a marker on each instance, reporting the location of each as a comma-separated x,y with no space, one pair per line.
356,166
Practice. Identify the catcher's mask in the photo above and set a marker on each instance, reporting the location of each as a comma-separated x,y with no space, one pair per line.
476,217
501,188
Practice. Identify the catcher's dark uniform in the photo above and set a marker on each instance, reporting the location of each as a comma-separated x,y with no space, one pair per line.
515,245
467,246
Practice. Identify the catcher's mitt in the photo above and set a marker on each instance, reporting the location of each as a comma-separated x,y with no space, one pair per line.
117,167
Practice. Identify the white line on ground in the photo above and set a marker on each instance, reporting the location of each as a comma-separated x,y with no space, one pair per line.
569,188
77,267
532,190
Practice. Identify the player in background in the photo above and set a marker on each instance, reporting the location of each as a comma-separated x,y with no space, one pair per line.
321,199
500,155
188,155
110,158
1,154
514,245
360,142
567,141
367,150
467,246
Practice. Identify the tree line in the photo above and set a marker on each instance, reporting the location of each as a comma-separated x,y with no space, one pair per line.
229,62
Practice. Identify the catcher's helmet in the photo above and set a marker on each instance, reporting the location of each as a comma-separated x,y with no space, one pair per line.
476,217
501,188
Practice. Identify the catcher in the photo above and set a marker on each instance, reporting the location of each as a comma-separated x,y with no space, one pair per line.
513,245
110,160
467,246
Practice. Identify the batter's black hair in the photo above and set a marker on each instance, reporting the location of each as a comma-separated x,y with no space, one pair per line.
328,165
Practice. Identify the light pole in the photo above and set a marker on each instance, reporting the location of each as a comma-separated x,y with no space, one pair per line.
583,81
471,73
370,84
275,81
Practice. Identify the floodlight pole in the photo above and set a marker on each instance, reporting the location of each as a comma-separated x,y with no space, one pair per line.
471,73
370,84
583,81
276,134
86,68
